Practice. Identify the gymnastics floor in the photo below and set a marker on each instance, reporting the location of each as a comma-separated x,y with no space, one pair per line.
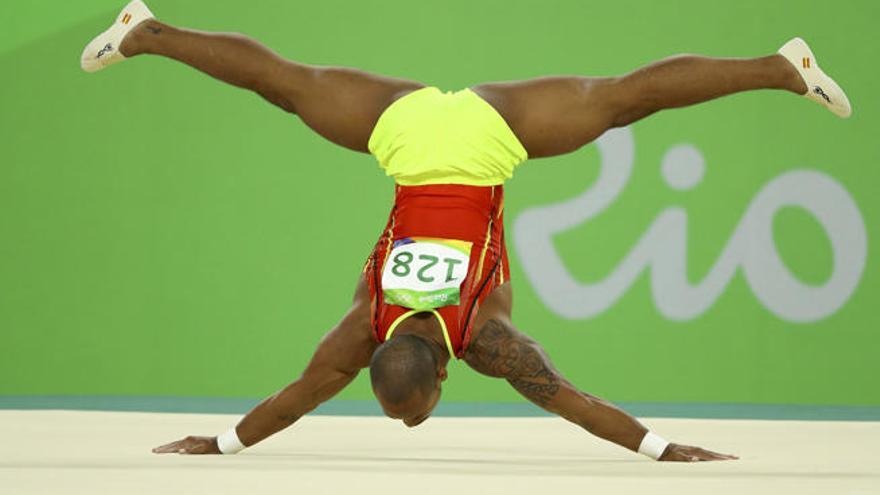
77,452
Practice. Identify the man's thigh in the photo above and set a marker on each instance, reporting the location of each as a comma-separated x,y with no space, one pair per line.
553,115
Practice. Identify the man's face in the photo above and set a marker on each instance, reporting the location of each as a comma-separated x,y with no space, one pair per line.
414,410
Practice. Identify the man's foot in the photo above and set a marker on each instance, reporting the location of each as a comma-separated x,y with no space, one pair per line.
820,88
104,49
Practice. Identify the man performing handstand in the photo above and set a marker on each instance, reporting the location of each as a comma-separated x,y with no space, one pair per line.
437,284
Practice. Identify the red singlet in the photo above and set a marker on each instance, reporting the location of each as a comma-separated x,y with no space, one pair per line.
444,211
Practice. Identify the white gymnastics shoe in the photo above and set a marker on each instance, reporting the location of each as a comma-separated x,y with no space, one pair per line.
103,51
820,88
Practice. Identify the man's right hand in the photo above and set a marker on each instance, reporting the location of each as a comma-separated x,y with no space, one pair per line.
190,445
686,453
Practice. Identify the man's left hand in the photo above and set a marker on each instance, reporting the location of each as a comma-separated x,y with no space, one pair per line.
190,445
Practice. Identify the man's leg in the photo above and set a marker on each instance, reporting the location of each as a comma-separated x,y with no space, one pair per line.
341,104
556,115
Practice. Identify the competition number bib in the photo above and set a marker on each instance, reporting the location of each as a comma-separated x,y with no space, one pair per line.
424,273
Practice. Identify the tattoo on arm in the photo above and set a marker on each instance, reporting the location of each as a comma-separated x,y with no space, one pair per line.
154,29
503,352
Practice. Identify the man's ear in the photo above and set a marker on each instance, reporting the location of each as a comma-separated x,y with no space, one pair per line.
442,374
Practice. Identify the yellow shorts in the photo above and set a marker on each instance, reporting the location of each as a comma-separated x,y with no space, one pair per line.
431,137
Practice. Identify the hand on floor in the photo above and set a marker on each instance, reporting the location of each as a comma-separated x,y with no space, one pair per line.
190,445
686,453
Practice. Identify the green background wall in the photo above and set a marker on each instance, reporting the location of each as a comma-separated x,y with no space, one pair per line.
162,234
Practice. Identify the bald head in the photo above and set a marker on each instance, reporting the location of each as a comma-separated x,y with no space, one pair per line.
403,368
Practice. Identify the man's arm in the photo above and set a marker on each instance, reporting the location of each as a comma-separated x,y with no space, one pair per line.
501,351
342,353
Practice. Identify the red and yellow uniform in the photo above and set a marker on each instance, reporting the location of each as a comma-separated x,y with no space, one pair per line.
443,249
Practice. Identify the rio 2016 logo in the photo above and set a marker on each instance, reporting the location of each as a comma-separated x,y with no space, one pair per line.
662,247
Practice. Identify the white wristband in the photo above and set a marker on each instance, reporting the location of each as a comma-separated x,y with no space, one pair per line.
652,446
228,442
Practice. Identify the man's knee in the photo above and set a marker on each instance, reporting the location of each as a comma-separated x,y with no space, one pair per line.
624,102
283,83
